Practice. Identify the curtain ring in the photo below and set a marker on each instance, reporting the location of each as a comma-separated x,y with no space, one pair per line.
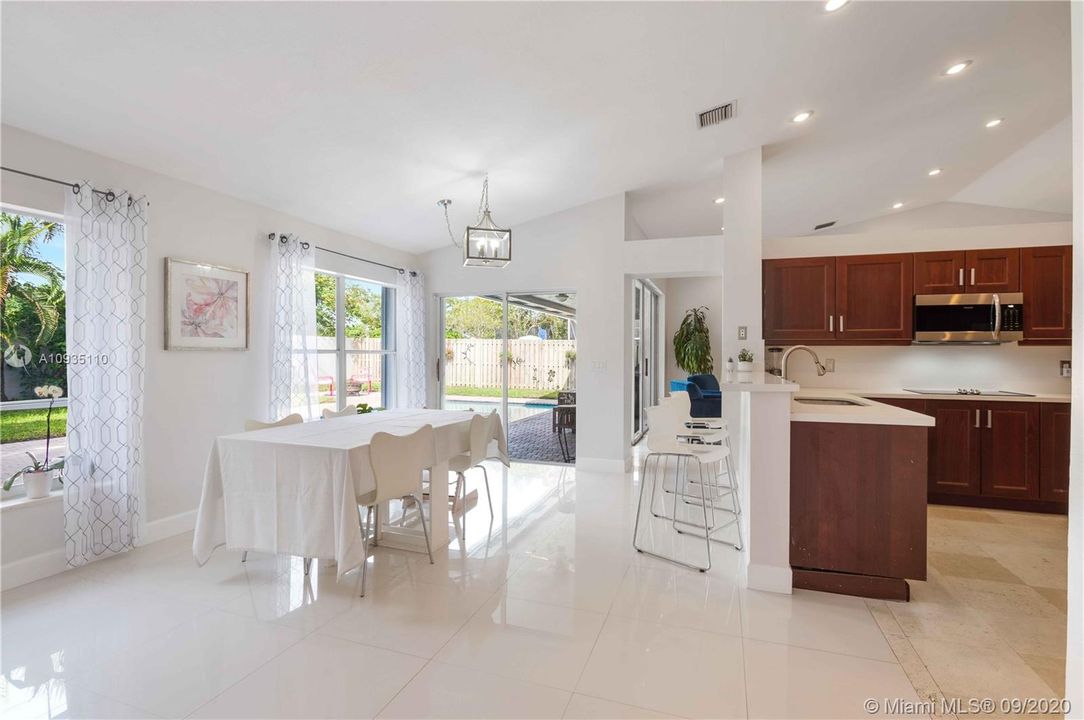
110,196
304,245
76,187
270,236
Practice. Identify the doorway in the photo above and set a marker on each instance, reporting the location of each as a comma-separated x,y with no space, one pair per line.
514,353
645,354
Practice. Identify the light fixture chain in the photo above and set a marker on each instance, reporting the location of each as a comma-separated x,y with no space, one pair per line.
448,223
483,202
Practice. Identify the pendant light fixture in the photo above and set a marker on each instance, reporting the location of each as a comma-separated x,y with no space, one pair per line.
485,244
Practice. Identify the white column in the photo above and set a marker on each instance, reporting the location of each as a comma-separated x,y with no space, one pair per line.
759,405
742,255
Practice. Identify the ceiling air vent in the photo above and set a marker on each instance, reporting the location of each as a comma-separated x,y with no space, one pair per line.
716,115
824,225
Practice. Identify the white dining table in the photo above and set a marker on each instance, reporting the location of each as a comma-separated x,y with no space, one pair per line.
292,489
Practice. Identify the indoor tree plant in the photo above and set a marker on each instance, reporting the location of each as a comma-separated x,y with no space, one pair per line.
38,476
692,343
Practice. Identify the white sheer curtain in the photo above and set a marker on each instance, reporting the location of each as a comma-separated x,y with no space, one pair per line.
106,324
410,340
293,328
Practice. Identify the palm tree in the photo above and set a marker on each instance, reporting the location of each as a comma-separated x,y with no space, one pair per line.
18,256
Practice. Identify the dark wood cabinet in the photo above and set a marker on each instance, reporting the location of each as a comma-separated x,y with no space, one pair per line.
995,270
1010,450
874,296
940,273
1046,275
799,298
1054,448
955,447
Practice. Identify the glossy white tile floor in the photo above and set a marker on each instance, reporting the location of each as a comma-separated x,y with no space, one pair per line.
547,612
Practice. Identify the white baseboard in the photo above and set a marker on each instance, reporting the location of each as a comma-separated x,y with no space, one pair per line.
770,578
35,567
606,465
53,562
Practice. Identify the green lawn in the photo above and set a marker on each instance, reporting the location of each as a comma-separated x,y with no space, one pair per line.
496,392
18,425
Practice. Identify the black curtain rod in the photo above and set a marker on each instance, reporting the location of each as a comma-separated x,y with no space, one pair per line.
76,187
413,273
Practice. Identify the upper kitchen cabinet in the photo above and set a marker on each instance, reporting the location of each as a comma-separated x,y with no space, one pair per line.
874,296
940,273
992,271
799,299
1046,280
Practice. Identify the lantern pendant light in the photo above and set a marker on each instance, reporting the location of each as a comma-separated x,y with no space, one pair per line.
485,244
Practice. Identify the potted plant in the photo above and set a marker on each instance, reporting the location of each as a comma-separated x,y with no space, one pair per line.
745,361
38,476
692,343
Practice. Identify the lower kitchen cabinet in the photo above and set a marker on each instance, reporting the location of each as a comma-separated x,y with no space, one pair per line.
1009,455
1054,441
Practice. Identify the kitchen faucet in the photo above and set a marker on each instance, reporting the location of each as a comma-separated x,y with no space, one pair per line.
786,356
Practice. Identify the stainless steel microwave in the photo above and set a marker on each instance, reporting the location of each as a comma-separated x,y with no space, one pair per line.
972,318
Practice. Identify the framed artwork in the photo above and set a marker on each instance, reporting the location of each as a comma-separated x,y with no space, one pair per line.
206,306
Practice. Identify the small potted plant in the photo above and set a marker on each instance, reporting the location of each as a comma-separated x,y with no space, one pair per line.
38,476
745,361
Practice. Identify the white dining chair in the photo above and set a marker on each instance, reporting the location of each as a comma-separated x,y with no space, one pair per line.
345,412
250,425
398,462
482,430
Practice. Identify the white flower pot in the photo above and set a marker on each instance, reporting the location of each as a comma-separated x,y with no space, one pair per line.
37,484
744,366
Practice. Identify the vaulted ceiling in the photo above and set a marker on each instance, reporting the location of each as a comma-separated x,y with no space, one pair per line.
359,116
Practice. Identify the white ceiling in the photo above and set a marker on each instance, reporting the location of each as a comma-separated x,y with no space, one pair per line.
360,116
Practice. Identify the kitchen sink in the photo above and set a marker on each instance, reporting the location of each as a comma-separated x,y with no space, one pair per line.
828,401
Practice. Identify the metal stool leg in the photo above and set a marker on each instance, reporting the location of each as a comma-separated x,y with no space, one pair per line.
488,496
244,556
425,530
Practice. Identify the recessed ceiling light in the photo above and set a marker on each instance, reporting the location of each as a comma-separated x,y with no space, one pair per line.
720,200
897,206
802,116
994,123
722,228
833,5
935,171
957,68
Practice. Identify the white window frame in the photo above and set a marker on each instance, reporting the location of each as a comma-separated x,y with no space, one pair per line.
387,337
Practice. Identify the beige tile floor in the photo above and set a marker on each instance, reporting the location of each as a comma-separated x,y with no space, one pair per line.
989,622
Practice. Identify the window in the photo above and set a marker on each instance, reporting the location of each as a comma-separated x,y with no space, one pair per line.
33,340
355,321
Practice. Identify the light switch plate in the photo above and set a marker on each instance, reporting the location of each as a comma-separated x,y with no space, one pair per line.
743,332
830,364
1066,368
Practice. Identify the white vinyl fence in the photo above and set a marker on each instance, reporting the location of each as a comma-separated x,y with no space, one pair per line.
544,365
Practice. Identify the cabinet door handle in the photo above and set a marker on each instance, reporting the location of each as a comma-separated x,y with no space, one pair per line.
961,277
972,276
841,323
831,323
989,418
977,417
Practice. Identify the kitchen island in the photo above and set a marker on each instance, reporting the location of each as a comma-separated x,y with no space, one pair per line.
858,478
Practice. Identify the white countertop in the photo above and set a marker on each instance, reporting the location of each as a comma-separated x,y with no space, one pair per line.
901,393
863,412
756,382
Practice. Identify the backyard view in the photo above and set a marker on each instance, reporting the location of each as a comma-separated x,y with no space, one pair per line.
356,371
538,356
33,337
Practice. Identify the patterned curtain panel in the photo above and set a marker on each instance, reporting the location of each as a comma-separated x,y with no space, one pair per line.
410,340
293,329
106,324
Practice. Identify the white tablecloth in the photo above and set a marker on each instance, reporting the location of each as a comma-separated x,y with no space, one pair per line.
292,490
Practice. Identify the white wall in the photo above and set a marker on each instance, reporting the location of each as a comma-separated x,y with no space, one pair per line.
683,294
1074,656
190,396
1009,367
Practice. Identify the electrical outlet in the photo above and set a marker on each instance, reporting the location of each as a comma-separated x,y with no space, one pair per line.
743,332
830,364
1066,368
598,365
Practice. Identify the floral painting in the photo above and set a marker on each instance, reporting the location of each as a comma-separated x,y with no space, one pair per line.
210,308
206,307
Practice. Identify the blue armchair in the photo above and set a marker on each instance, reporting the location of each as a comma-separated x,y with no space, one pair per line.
705,398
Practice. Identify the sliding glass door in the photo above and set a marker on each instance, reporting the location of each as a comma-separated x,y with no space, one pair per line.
515,353
645,352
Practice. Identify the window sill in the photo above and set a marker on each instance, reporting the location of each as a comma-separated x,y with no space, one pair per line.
15,503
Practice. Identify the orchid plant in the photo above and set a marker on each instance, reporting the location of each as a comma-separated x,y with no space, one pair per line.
53,393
